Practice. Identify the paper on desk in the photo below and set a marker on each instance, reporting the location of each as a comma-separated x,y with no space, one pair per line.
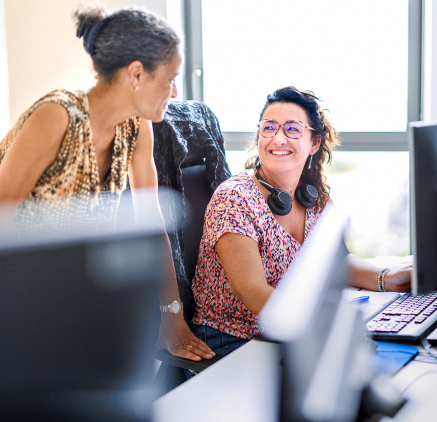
377,301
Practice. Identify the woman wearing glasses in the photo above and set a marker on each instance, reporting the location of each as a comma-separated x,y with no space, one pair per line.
257,221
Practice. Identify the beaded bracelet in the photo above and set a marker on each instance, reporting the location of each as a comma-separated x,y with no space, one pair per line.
381,279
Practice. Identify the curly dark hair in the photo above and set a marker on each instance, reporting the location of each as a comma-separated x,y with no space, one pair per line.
318,120
114,40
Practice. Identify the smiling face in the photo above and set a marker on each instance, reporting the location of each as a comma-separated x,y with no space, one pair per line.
155,89
281,154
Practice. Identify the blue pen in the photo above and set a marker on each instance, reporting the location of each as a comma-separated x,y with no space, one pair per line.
360,299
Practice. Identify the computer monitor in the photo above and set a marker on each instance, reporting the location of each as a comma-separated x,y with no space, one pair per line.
322,337
79,319
423,205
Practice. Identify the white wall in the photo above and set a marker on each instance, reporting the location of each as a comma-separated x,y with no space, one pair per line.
156,6
43,52
4,85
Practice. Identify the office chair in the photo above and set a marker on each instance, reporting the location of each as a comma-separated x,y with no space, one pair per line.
197,194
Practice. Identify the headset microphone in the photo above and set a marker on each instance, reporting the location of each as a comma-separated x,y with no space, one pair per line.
280,201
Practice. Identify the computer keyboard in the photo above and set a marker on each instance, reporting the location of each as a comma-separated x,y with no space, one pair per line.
407,318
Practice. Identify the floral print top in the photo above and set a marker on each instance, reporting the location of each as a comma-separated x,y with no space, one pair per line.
239,207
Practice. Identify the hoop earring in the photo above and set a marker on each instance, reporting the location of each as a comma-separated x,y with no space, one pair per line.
311,159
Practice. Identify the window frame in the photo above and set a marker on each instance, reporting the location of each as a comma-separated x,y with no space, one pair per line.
351,141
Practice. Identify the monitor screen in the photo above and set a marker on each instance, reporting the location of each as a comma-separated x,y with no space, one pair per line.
79,319
423,205
320,335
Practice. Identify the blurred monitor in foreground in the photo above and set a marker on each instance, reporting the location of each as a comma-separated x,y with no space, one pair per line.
423,205
324,355
79,319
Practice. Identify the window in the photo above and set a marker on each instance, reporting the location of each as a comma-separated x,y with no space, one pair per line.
322,45
362,58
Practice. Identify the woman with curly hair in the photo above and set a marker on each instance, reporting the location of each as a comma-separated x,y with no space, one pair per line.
258,220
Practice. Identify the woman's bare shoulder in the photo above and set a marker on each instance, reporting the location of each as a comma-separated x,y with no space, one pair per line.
34,148
50,114
45,127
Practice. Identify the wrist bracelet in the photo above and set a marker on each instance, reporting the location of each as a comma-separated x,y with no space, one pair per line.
381,275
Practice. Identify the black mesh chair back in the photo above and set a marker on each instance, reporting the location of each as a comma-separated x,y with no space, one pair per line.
197,194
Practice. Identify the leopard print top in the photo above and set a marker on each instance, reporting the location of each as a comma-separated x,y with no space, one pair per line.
73,177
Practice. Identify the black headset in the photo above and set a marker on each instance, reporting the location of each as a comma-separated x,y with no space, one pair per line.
280,201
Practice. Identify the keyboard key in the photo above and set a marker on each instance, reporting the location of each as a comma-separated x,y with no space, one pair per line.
419,320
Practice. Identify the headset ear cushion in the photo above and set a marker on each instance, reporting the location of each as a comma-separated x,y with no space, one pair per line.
307,195
277,209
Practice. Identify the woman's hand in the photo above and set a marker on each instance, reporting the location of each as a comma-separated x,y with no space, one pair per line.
365,275
398,280
177,338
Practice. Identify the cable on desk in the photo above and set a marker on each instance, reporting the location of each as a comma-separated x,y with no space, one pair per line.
429,352
423,358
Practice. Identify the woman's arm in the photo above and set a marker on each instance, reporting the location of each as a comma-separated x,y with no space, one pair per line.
174,333
142,172
365,275
33,150
243,266
244,270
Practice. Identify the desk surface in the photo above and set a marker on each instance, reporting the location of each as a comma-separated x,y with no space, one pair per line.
417,382
243,386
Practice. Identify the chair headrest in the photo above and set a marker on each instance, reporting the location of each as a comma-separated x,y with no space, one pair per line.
195,155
